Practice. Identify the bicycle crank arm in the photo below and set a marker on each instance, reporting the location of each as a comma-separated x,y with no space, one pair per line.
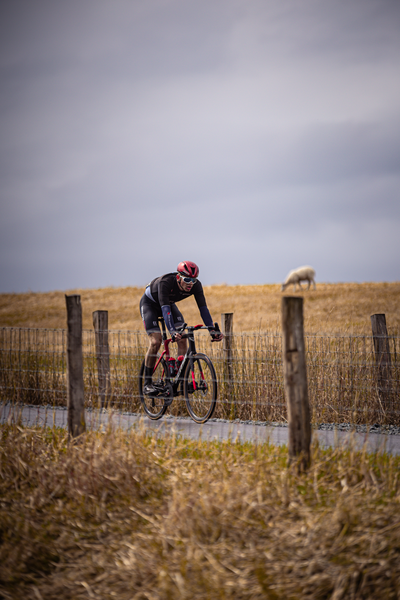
167,395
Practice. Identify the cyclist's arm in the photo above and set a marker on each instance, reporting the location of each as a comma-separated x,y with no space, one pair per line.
169,321
205,315
207,319
164,288
202,305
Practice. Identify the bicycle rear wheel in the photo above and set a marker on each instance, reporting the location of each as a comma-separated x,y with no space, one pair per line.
154,406
200,388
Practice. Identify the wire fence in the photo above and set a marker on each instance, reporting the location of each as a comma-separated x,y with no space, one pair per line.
344,380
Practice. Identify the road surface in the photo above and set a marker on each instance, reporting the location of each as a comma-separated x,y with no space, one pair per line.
186,428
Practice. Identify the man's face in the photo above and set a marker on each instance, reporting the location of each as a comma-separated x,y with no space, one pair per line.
186,286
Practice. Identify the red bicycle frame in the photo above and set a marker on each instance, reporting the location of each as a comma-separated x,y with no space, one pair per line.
188,356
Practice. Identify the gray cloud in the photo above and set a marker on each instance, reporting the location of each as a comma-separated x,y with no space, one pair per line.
135,133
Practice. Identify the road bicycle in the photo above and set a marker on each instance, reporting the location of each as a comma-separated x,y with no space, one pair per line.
192,376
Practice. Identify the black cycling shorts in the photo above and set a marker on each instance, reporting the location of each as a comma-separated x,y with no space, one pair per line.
150,312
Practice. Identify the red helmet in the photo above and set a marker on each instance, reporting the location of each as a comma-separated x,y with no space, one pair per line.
188,268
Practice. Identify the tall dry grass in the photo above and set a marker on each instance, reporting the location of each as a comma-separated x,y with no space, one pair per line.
127,516
341,307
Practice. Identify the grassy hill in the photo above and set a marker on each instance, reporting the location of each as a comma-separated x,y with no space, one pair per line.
344,307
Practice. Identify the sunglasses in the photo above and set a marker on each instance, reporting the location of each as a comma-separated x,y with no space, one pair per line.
188,279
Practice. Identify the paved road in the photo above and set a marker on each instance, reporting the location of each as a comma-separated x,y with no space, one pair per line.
185,427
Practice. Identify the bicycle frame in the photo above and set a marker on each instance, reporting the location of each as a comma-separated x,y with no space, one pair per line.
191,351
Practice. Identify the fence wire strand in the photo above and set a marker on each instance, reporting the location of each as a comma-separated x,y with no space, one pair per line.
344,379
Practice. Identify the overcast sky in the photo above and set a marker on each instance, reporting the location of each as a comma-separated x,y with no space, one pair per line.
250,136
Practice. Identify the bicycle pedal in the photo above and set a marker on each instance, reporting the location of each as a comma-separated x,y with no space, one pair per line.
154,393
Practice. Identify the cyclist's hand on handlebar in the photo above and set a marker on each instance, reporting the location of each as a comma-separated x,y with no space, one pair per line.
216,335
178,333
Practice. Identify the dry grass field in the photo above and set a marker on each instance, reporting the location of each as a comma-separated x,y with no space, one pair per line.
128,516
135,517
332,308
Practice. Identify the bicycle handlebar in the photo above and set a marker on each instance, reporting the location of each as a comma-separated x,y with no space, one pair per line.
181,328
184,326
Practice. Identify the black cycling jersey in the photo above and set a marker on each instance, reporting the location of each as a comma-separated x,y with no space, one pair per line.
164,291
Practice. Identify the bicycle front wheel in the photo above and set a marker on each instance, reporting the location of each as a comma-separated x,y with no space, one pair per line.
200,388
154,406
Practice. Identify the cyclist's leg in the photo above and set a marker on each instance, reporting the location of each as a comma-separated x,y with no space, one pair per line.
178,320
154,346
150,314
150,360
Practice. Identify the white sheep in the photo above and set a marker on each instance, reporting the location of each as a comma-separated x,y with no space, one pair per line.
300,274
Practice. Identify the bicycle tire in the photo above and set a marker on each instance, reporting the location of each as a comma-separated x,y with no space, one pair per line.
154,407
201,401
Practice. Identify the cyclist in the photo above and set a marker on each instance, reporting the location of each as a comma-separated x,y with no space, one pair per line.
159,300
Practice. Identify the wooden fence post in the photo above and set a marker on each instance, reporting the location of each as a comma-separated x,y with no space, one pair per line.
382,355
100,324
75,395
227,330
295,380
